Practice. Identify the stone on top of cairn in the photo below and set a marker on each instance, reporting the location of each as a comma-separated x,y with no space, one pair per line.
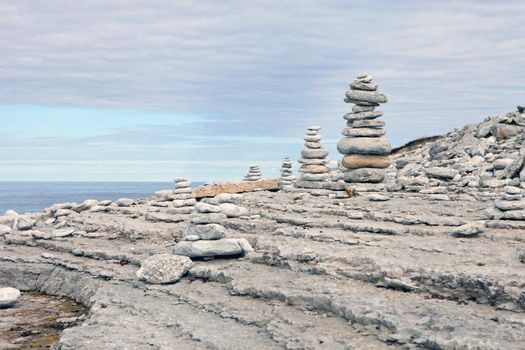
254,173
366,152
184,198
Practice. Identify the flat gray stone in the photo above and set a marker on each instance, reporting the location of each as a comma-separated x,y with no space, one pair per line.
124,202
363,132
366,96
207,208
318,153
208,249
364,175
367,123
441,173
364,145
206,232
207,218
362,116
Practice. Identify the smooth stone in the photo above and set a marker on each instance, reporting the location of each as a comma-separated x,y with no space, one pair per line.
311,132
361,103
441,173
359,85
180,179
314,177
5,230
312,138
63,212
356,161
23,223
164,268
513,190
183,196
313,169
364,145
511,197
190,238
183,184
217,248
318,153
358,108
208,218
233,210
376,197
363,132
471,229
367,123
207,208
365,77
314,128
509,205
124,202
362,116
366,96
86,205
313,161
500,164
318,185
364,175
178,203
182,190
313,144
41,235
514,215
8,297
206,232
104,203
228,197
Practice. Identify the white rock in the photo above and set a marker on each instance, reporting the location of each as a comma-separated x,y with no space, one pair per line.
164,268
207,208
11,213
8,297
377,197
232,210
4,230
469,230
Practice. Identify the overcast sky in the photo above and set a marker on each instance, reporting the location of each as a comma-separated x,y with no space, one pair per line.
151,89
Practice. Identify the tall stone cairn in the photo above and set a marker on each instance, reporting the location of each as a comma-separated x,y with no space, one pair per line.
366,152
287,179
313,159
254,173
183,197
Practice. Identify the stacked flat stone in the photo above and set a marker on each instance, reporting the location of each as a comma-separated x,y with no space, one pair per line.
254,174
184,199
313,161
511,205
204,236
366,151
287,179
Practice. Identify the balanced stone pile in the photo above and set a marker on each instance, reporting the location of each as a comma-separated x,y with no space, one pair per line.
287,179
313,159
184,198
254,174
204,236
511,205
366,151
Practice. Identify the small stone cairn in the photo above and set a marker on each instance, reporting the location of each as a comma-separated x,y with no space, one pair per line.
254,174
204,236
287,179
313,159
511,205
366,151
184,199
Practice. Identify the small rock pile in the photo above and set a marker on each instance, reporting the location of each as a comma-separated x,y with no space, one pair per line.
366,151
511,205
287,179
184,198
254,173
313,159
204,236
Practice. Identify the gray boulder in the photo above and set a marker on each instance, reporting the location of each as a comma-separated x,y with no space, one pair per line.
125,202
365,175
366,96
442,173
364,145
163,268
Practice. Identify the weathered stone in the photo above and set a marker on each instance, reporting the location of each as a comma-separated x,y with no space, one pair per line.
218,248
207,208
357,161
206,232
125,202
314,153
86,205
236,187
441,173
24,223
364,145
366,96
4,230
63,212
312,144
469,230
177,203
377,197
232,210
163,268
365,175
313,169
363,132
367,123
351,117
358,85
509,205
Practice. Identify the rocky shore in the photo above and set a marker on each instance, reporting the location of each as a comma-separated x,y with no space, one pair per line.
431,257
